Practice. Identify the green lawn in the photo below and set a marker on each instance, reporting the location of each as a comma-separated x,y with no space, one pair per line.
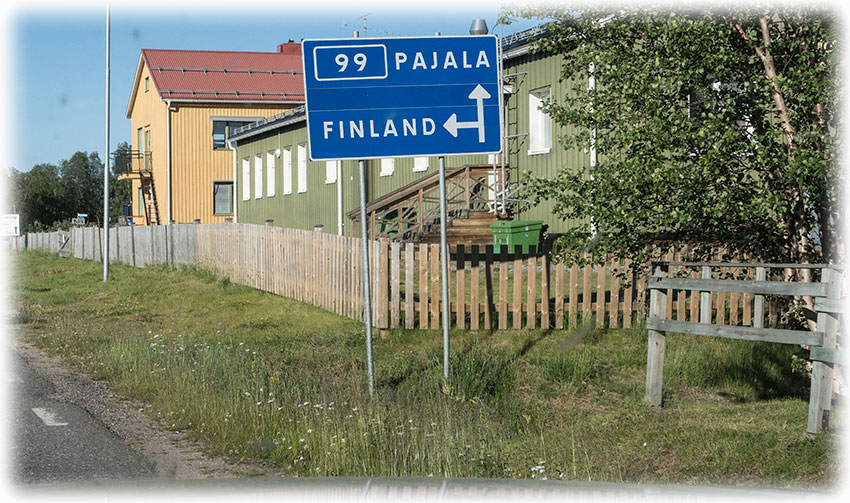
252,374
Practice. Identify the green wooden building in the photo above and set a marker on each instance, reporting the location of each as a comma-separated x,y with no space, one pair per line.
277,183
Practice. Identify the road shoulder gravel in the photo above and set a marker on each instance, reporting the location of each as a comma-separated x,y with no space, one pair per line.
174,455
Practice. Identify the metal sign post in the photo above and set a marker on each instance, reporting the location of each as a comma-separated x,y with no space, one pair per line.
444,266
105,248
403,97
367,288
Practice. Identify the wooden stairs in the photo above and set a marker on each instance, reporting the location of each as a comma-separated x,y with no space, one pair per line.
411,213
464,227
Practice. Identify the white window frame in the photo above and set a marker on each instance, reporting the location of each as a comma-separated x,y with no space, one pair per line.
270,173
331,168
246,179
220,183
258,176
539,122
302,168
387,167
287,171
420,164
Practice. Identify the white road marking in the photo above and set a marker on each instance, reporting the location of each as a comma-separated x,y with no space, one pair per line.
13,378
48,417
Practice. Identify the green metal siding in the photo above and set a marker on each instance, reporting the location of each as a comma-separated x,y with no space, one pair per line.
533,72
318,206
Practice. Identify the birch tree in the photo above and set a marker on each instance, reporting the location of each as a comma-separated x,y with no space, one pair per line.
712,129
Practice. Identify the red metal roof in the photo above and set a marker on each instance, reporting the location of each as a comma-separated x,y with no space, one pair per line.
227,75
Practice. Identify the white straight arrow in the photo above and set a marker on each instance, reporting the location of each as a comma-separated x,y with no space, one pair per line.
479,94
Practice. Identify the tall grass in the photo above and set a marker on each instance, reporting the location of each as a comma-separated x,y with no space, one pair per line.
254,375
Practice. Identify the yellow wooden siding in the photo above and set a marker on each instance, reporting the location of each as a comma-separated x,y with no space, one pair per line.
194,162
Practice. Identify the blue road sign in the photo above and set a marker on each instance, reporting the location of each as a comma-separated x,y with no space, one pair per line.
401,97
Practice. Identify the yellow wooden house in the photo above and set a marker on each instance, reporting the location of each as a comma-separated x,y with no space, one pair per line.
182,107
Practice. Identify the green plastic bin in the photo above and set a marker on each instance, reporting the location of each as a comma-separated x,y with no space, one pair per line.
515,232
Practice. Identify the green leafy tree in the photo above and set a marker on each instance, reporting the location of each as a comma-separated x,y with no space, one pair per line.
48,196
120,191
82,185
37,196
712,129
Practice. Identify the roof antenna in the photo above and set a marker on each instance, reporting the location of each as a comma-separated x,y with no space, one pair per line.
365,30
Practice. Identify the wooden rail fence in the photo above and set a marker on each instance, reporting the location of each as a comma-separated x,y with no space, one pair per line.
828,305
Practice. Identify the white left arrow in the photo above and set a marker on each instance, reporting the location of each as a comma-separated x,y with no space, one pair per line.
479,94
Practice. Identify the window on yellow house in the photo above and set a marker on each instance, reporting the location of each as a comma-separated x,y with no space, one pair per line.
223,197
222,129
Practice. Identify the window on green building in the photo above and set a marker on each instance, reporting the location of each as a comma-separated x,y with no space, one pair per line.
246,179
420,164
539,122
302,168
270,173
287,170
258,177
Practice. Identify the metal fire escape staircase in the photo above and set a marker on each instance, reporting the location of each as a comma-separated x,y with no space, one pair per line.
135,164
513,140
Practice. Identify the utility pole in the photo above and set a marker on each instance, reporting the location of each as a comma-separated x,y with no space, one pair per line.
105,247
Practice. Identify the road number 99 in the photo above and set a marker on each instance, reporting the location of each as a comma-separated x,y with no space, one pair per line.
359,60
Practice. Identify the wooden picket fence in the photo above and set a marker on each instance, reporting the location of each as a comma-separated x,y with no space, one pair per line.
320,269
487,290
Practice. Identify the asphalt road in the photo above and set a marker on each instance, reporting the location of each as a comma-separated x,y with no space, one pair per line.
55,442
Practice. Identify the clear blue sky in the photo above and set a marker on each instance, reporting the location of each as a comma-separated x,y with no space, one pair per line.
58,55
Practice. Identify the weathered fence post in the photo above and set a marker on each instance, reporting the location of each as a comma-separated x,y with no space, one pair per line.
822,372
133,245
705,298
758,301
655,350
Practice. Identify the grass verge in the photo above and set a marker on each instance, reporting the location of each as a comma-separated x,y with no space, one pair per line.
255,375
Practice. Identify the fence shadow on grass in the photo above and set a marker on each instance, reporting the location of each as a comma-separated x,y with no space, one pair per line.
745,371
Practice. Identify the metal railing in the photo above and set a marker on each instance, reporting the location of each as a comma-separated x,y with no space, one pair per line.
410,211
132,161
262,122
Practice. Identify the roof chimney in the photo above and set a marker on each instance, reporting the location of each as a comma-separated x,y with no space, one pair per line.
291,48
479,27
